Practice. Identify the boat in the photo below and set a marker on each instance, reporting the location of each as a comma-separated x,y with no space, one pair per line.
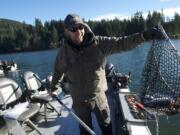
129,114
7,66
1,71
123,120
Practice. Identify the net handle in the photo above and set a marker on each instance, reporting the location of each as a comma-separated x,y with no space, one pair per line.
165,35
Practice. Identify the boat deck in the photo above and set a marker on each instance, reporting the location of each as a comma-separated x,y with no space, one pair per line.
61,125
66,124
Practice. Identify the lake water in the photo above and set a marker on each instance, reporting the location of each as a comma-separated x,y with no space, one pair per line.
132,61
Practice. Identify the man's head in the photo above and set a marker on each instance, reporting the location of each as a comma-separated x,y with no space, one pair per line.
74,28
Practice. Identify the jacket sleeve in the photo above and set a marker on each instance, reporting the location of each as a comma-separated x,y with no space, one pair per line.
110,45
58,73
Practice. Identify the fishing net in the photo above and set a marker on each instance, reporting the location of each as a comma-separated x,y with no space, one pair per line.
160,82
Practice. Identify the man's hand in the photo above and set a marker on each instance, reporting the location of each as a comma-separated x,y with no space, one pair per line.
54,94
153,33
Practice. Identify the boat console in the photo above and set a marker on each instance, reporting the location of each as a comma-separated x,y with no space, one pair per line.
134,117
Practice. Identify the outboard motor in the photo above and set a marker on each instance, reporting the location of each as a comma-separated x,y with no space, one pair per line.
117,79
121,81
109,69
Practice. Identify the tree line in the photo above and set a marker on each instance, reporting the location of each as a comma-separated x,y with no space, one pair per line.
18,37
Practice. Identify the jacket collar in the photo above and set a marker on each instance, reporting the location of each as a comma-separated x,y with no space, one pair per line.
88,41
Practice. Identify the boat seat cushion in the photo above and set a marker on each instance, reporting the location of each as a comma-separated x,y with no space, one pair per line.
22,111
42,97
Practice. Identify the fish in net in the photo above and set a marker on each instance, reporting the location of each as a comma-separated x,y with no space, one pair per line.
160,81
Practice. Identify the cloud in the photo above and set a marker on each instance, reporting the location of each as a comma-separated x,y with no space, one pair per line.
168,12
111,16
165,0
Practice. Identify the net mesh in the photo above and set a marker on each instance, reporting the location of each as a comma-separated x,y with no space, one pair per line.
160,82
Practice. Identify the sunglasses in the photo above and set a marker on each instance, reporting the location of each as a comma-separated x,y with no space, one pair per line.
75,29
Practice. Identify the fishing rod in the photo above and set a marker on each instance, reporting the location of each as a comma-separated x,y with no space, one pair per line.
75,116
69,110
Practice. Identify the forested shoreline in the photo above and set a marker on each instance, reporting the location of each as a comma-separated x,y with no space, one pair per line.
18,37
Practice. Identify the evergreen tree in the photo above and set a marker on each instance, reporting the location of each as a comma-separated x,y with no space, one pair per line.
16,36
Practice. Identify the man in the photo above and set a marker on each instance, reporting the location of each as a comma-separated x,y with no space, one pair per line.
82,59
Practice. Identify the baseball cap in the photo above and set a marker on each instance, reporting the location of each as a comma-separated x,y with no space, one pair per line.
72,19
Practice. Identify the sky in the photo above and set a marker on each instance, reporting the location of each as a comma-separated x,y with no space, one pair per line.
47,10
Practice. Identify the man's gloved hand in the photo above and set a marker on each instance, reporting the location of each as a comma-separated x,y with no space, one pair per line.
54,93
153,33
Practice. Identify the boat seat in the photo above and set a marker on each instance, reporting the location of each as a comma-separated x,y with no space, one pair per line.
38,93
42,98
10,93
32,110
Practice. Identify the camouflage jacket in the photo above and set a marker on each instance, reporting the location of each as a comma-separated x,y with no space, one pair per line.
85,67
